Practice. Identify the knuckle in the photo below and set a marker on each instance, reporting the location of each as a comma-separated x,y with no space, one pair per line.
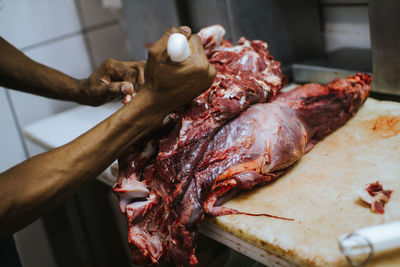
195,37
142,63
152,51
109,61
204,67
172,29
131,75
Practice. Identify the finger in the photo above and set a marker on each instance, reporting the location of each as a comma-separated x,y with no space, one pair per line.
130,75
139,67
119,71
196,46
187,31
120,88
162,43
140,74
134,64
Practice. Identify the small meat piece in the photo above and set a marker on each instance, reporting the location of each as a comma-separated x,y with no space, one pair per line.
375,197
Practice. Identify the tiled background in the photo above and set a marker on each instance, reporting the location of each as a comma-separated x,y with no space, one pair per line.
71,36
75,37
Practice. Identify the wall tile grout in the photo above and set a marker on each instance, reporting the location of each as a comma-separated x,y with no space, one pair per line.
72,34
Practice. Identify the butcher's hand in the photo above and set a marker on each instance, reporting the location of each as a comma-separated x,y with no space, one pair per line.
172,84
112,79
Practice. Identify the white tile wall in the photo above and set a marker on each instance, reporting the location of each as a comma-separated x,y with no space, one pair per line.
109,42
93,13
11,148
25,22
346,26
48,31
67,55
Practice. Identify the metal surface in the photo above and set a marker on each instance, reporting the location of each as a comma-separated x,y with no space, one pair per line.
250,250
336,64
309,73
202,13
344,2
291,28
384,18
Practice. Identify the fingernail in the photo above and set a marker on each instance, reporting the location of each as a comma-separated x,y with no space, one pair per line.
127,88
185,28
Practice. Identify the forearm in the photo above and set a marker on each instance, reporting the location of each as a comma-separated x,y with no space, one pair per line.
19,72
44,181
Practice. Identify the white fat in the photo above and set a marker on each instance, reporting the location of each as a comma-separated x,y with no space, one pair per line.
265,93
264,86
186,124
243,59
166,119
128,98
131,187
170,151
242,100
234,90
149,150
137,193
235,49
217,31
138,204
365,195
272,79
122,205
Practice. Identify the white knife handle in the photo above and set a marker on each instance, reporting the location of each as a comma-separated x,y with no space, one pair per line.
178,47
370,240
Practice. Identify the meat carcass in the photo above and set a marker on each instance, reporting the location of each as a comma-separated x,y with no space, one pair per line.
158,227
266,139
167,187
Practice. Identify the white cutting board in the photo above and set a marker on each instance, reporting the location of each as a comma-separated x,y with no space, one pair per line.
321,194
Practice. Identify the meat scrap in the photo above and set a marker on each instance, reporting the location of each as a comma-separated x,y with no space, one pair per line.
238,134
375,197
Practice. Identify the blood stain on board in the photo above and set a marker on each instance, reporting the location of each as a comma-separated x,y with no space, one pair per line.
386,126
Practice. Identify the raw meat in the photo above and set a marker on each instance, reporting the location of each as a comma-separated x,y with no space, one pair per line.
266,139
159,226
169,185
375,197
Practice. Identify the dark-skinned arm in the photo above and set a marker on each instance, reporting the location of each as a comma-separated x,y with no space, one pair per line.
42,182
112,79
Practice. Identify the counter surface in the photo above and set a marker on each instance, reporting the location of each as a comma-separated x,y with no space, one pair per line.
320,192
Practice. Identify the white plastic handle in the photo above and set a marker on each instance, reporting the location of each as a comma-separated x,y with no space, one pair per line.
178,47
